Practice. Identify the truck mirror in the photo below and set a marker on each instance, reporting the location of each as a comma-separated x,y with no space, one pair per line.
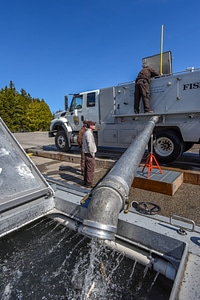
66,103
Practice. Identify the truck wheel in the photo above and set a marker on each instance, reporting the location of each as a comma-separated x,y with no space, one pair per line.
61,141
167,146
187,146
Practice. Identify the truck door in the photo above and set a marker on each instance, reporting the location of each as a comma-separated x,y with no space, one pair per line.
75,110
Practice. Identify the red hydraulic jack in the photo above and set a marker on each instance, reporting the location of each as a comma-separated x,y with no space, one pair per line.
150,159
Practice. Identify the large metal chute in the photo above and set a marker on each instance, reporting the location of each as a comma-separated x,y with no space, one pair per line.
111,194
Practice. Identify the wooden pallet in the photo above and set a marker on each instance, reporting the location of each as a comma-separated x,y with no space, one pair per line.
166,183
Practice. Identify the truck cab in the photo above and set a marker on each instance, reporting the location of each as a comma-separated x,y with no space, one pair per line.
83,106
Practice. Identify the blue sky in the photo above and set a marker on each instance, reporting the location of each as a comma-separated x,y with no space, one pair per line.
54,47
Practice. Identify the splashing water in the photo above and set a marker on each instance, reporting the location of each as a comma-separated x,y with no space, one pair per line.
48,261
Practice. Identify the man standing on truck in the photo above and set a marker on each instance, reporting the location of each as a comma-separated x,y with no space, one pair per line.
89,148
142,83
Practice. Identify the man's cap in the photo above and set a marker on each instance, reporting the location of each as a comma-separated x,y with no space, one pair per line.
85,123
90,123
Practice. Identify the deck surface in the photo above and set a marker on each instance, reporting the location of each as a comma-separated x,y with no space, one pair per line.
164,181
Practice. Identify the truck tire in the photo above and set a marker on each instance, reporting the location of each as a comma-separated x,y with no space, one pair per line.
167,146
61,141
187,146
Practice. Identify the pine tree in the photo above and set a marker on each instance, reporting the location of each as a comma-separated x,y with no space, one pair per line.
22,112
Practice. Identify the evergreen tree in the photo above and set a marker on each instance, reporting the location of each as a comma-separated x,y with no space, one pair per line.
22,112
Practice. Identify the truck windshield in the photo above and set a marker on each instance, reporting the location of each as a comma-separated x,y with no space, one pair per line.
76,102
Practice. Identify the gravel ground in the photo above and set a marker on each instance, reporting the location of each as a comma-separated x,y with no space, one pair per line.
185,202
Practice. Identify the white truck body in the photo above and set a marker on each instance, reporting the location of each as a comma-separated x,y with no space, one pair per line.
175,98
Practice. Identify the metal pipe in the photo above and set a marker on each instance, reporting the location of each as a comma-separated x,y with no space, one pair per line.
158,264
111,194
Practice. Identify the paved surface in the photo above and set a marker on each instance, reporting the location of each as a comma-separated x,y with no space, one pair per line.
185,202
33,139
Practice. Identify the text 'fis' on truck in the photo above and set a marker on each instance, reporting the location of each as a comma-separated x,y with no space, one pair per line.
174,97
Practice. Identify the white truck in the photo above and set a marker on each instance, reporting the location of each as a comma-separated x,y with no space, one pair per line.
175,98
